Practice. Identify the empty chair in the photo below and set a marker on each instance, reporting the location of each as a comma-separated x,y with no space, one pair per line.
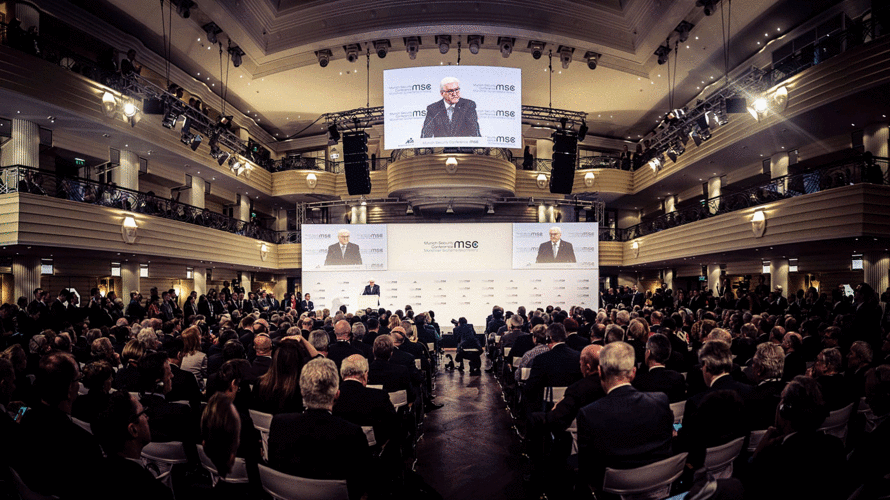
836,422
754,439
262,422
238,474
651,481
161,457
678,408
719,459
399,398
286,487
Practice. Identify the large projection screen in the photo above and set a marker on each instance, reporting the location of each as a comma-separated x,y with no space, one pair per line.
460,269
486,107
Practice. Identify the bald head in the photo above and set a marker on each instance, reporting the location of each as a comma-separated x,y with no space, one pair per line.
590,359
342,330
263,345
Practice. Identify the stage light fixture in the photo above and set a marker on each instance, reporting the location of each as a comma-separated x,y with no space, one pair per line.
352,51
474,43
183,8
223,156
505,44
196,141
592,59
683,30
536,48
565,55
450,209
381,47
170,119
412,46
490,208
130,109
710,6
237,55
444,43
663,52
333,134
324,57
582,130
410,210
212,30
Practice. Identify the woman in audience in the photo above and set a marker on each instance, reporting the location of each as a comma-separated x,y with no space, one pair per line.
189,309
193,360
128,376
97,378
102,350
278,391
220,437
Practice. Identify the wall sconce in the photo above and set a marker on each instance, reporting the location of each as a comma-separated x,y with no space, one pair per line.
109,104
635,247
451,165
758,223
311,180
264,251
542,181
588,179
128,230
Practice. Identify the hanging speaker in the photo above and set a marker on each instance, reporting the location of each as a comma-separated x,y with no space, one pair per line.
562,172
355,163
736,105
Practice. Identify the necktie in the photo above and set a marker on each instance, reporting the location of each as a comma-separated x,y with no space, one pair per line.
343,250
450,110
555,250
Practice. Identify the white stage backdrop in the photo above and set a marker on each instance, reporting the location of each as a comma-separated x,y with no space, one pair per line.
459,269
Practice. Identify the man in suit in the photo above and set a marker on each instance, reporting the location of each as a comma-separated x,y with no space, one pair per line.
371,289
626,428
341,349
657,378
392,376
363,406
452,116
715,357
465,335
315,444
559,367
555,250
274,304
306,305
262,343
343,252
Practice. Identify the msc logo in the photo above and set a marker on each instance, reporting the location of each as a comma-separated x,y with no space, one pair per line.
375,250
419,112
504,112
508,88
422,86
466,244
505,139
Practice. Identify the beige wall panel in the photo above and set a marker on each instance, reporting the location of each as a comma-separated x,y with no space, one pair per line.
9,209
290,256
823,146
611,253
788,221
473,173
740,174
53,222
379,185
294,182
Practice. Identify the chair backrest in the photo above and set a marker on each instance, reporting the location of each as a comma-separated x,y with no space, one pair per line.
554,394
718,460
181,402
399,398
678,408
369,386
286,487
497,339
431,346
161,457
754,439
507,351
369,435
417,364
238,474
262,422
83,425
526,373
649,481
836,422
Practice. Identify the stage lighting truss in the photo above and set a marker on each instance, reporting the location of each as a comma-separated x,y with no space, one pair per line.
352,52
324,57
536,48
505,44
381,47
412,46
565,55
444,43
474,43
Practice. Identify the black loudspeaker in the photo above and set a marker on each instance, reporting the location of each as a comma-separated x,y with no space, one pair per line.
153,107
736,105
562,172
355,163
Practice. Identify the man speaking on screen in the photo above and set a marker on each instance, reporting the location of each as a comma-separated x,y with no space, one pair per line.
452,116
555,250
343,252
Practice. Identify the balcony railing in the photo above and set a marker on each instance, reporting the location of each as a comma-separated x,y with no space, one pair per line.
860,169
45,183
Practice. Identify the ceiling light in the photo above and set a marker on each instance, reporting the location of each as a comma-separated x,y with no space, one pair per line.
536,48
352,51
474,42
592,59
324,57
381,47
412,46
565,55
505,44
444,43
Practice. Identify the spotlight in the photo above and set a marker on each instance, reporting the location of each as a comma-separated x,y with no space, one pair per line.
592,59
565,55
663,52
212,30
444,43
333,134
237,54
352,51
382,47
109,103
170,119
696,138
506,45
324,57
474,42
222,157
709,5
537,49
196,141
412,46
683,30
760,105
130,109
582,130
183,8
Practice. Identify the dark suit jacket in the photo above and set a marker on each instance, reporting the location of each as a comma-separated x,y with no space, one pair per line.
258,368
577,342
761,403
169,422
364,407
558,367
392,376
625,429
545,253
122,475
336,257
662,380
578,395
307,305
724,383
317,445
371,291
464,121
340,350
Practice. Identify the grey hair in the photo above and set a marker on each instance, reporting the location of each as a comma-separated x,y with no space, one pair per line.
353,367
319,340
319,383
445,81
617,360
358,330
771,359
